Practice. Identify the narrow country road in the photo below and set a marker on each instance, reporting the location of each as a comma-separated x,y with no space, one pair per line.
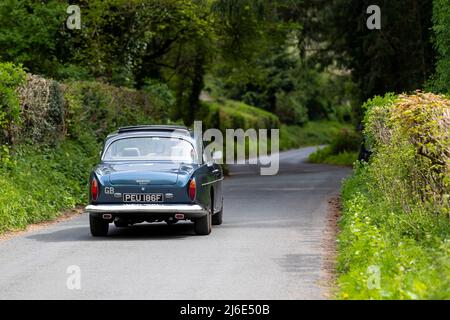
269,247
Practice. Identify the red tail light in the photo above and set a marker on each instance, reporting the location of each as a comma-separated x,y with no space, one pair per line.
192,189
94,189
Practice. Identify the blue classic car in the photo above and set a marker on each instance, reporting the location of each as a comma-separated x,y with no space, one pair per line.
155,174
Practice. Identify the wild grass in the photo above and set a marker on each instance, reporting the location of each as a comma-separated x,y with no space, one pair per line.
326,156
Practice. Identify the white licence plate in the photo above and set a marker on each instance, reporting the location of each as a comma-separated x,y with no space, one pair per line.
143,197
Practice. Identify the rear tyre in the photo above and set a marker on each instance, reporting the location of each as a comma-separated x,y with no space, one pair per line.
217,219
203,225
99,227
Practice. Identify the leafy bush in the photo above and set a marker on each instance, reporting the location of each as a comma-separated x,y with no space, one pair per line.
32,107
290,110
162,97
325,155
346,140
342,150
414,130
441,20
11,77
32,34
229,114
95,109
396,207
313,133
42,111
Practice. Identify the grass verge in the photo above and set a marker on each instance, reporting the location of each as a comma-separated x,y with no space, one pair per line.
385,254
342,150
40,182
326,155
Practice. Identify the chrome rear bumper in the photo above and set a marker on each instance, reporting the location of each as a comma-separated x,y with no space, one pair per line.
188,209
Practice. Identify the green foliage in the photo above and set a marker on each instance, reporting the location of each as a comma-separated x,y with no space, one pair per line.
396,207
249,47
414,130
441,20
30,33
120,41
381,60
324,94
412,251
126,42
95,109
42,111
74,72
11,77
255,81
290,109
343,149
161,94
239,25
225,114
376,116
6,160
48,110
189,83
313,133
56,143
325,155
345,140
42,182
278,81
229,114
276,55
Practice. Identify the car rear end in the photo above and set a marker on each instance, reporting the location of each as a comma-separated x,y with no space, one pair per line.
129,186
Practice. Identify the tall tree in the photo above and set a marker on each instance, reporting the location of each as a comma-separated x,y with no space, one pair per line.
399,57
29,31
441,28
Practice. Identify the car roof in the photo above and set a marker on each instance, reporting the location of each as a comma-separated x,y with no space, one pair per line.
153,129
180,132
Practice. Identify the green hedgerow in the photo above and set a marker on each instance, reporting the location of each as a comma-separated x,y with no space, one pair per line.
395,215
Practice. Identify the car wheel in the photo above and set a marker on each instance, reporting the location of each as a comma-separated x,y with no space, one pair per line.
217,219
203,225
99,227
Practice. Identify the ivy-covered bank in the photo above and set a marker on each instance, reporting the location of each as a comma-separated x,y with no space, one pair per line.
395,228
